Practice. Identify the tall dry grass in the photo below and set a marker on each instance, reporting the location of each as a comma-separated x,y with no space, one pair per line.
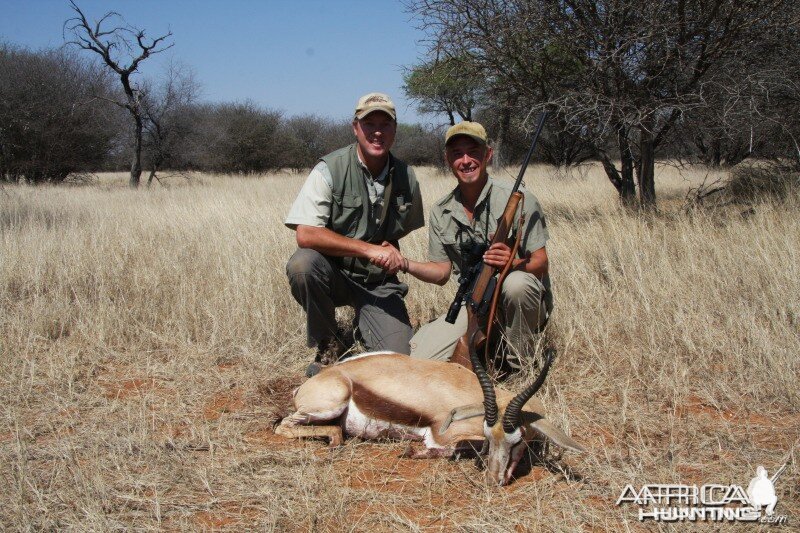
148,341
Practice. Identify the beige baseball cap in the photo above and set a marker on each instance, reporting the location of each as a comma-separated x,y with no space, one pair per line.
471,129
375,102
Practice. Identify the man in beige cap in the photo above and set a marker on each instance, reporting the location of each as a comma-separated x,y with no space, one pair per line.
466,216
354,207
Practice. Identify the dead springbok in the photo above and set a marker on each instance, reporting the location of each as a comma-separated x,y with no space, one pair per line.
385,394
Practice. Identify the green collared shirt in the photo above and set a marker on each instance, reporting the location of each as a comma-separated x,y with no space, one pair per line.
451,232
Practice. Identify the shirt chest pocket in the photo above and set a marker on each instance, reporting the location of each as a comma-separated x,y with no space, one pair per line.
346,214
451,248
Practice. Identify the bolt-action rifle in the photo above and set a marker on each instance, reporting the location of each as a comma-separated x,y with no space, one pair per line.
479,284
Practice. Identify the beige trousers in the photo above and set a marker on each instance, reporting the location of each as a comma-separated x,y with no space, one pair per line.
522,311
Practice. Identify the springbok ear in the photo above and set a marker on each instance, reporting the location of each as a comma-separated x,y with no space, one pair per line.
554,434
461,413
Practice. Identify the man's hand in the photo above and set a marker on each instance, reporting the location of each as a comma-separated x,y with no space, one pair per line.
387,257
497,255
535,263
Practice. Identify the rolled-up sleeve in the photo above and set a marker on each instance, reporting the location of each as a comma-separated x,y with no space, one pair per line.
312,207
536,234
436,250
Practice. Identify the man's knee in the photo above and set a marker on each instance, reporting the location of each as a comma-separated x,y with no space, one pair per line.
522,289
397,341
437,340
305,262
385,327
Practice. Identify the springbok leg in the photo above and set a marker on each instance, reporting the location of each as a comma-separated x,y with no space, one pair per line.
333,433
427,453
322,398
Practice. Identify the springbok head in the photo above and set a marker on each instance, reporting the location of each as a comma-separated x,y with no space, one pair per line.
507,428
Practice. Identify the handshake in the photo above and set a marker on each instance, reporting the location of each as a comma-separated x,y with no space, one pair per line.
388,258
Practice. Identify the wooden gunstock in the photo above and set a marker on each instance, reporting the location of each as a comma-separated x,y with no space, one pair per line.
504,224
461,353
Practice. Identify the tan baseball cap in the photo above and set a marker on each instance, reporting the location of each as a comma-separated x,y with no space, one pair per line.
472,130
375,102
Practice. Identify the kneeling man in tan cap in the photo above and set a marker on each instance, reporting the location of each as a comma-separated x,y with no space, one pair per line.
466,216
354,207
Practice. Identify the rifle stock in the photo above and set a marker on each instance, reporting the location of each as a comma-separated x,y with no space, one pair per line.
481,297
461,353
478,298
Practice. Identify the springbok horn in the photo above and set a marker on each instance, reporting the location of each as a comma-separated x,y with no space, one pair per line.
512,419
489,400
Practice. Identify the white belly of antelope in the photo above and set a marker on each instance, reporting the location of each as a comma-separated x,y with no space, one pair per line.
361,425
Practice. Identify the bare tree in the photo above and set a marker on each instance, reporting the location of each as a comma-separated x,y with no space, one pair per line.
122,48
417,145
751,103
240,138
165,107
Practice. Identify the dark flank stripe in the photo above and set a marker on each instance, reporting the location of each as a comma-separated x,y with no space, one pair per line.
377,406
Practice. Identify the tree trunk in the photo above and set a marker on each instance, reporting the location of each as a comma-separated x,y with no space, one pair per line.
627,188
647,169
497,155
796,152
136,164
156,163
624,185
502,136
716,153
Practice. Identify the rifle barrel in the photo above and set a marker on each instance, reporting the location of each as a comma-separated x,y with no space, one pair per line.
527,160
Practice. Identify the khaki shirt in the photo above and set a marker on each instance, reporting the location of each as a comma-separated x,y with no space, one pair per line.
450,231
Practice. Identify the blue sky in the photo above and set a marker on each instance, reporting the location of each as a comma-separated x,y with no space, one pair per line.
303,56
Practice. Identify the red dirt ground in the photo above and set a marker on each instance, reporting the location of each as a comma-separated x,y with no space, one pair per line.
223,402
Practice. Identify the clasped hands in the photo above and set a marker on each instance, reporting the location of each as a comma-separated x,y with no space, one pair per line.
388,258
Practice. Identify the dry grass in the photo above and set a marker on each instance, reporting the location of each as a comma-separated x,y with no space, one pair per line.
148,341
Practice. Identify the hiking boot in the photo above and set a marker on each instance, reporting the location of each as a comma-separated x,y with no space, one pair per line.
328,352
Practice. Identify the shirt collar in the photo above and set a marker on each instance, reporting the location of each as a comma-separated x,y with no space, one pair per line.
455,206
380,177
456,203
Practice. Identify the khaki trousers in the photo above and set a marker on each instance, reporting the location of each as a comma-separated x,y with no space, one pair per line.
522,309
